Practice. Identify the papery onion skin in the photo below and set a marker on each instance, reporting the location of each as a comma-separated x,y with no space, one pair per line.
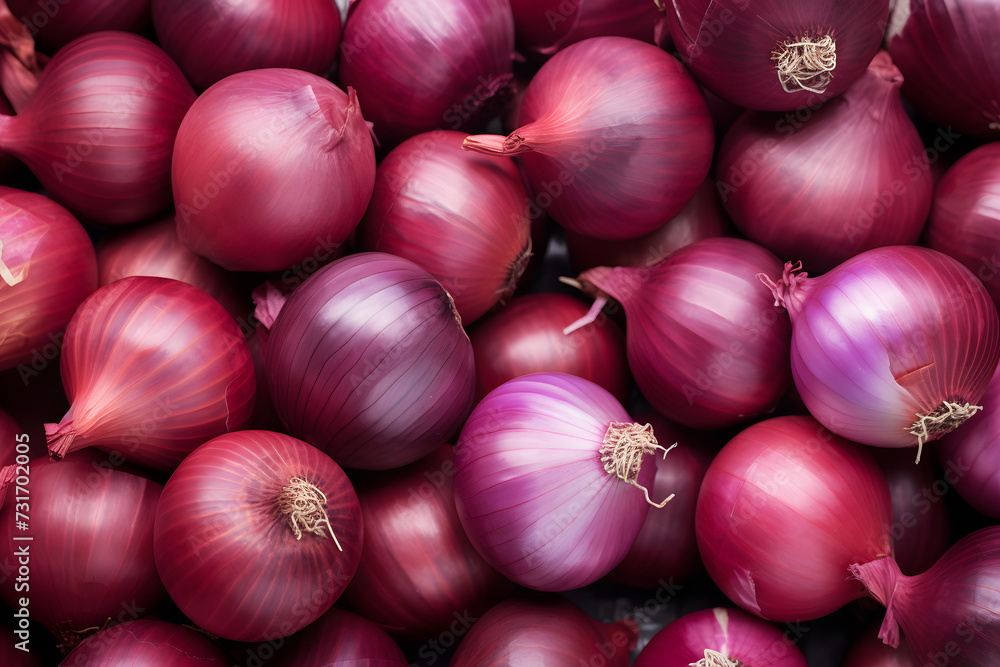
463,217
341,639
615,137
211,39
227,553
368,361
147,641
784,510
730,632
271,167
851,177
729,46
50,260
99,131
153,367
55,25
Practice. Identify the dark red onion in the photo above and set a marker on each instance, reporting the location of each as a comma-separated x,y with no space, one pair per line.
869,651
269,167
153,367
778,55
855,169
615,137
54,23
341,639
47,268
427,64
368,361
418,570
99,131
462,217
257,535
543,28
147,641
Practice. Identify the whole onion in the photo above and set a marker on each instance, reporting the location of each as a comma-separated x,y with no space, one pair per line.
55,24
341,639
271,167
147,641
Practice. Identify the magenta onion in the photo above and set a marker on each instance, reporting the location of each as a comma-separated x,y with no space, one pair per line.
779,55
147,641
90,556
341,639
526,336
949,614
47,268
553,481
825,184
869,651
720,637
785,509
257,534
211,39
368,361
152,367
544,630
706,348
418,570
271,167
945,49
965,216
99,131
542,28
615,137
427,64
55,24
920,334
460,216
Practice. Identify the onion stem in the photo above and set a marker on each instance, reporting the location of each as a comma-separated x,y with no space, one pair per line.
716,659
623,449
806,64
946,417
304,506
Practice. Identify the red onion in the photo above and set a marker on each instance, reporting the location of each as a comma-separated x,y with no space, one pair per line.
20,65
341,639
526,336
544,630
55,24
99,131
785,508
543,28
211,39
720,637
14,656
965,216
615,137
47,268
90,557
945,49
949,614
427,64
706,347
870,651
368,361
147,641
547,467
460,216
153,367
922,332
269,167
780,55
418,570
257,535
870,186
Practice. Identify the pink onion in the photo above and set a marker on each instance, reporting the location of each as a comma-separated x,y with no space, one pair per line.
147,641
211,39
824,184
460,216
778,55
921,334
615,137
427,64
705,346
720,637
341,639
945,49
47,268
99,131
153,367
785,509
869,651
949,614
543,28
257,535
368,361
418,570
553,481
55,24
270,167
965,216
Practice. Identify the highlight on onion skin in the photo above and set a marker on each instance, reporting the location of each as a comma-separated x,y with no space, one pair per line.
56,24
147,641
870,651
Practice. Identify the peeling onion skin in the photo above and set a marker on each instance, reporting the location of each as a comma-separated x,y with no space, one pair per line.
147,641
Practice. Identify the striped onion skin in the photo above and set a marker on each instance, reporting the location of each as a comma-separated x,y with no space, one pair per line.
226,552
341,639
153,367
147,641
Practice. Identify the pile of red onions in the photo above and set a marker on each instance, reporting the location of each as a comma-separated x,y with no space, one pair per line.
147,641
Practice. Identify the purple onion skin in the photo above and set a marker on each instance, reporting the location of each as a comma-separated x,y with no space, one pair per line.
147,642
55,24
340,638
